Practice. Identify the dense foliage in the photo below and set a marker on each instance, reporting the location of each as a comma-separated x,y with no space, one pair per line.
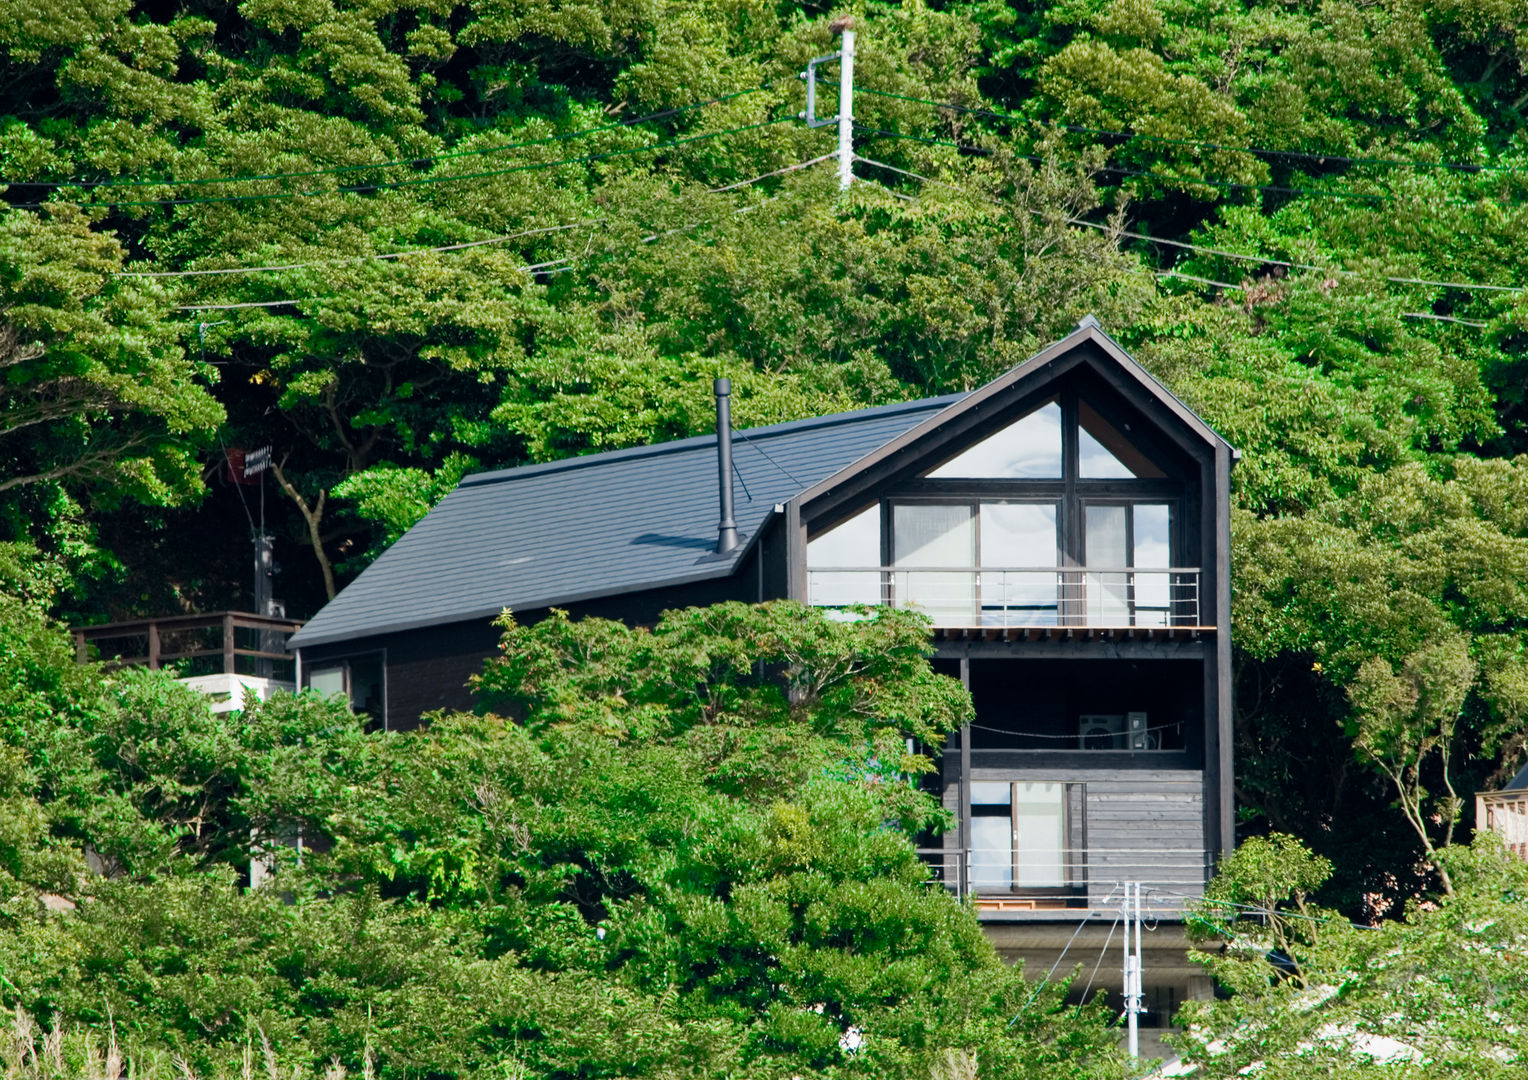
677,864
1436,993
477,234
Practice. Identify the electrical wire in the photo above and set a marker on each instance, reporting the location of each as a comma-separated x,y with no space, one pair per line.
1203,249
356,258
1303,154
1242,288
393,185
1042,983
538,267
416,161
1101,954
777,172
1282,189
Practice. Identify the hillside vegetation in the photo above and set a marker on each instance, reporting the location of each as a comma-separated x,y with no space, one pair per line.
401,241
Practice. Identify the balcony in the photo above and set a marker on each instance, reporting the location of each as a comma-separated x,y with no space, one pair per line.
1506,814
1113,598
223,654
998,882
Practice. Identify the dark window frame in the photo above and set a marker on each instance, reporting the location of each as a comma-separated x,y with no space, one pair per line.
343,662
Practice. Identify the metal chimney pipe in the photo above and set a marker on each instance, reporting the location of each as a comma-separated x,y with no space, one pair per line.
726,529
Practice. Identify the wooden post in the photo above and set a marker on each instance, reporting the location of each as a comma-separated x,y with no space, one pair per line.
153,646
228,658
81,649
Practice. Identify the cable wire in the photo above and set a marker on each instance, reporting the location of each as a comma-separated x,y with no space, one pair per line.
1282,189
1203,249
393,185
355,258
415,161
1304,154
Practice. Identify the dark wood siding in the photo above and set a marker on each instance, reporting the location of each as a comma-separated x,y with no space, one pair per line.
428,669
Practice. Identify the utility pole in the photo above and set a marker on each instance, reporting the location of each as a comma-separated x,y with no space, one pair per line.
845,117
1132,971
846,112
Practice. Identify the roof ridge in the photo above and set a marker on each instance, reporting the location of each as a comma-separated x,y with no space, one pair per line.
694,442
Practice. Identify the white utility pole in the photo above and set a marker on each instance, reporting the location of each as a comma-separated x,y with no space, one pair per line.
1133,966
846,112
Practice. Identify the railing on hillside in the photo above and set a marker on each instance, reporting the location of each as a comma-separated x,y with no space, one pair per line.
1506,814
1114,597
217,641
998,880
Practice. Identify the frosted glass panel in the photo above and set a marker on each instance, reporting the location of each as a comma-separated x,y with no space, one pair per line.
1153,548
327,681
924,539
1039,820
1107,592
992,852
1030,448
1015,536
854,543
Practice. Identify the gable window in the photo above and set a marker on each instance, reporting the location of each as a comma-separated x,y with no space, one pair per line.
1060,517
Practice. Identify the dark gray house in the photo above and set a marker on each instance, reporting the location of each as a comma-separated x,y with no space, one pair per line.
1065,527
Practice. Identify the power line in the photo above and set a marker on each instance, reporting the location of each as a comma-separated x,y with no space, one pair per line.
356,258
392,185
538,267
778,172
1203,249
416,161
1304,154
1282,189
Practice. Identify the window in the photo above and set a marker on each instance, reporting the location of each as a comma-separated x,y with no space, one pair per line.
980,563
1026,836
1061,517
1122,541
838,561
361,680
1028,448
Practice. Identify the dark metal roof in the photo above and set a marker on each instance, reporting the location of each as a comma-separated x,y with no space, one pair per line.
595,526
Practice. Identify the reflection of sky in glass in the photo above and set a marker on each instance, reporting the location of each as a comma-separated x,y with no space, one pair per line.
1018,534
1094,462
856,542
1151,535
1031,447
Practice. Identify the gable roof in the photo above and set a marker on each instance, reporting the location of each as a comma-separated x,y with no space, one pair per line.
595,526
1038,368
645,517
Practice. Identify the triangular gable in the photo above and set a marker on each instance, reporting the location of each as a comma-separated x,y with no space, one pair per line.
1045,367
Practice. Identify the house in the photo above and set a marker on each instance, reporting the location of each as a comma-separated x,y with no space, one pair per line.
1066,529
1505,812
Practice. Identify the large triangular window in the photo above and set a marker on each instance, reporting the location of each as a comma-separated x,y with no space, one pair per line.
1104,453
1028,449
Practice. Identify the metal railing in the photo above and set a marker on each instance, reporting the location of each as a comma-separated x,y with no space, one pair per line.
1506,814
1114,597
1069,878
201,644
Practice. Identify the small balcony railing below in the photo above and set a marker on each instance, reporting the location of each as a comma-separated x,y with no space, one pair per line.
1001,879
1112,597
1506,814
227,642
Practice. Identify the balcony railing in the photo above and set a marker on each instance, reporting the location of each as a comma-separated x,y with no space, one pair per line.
995,879
1113,597
1506,814
218,641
